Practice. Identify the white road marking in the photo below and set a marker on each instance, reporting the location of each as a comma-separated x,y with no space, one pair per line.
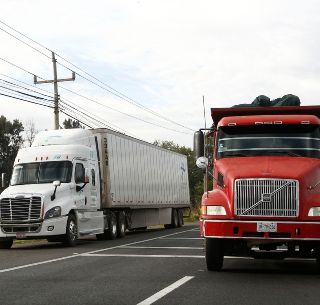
90,252
174,248
181,238
165,291
144,255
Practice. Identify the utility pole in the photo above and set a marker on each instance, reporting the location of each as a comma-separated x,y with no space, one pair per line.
55,84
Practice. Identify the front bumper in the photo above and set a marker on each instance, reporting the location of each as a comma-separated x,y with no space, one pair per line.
49,227
285,230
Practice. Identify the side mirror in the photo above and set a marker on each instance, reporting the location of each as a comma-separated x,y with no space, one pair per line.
198,144
55,183
202,162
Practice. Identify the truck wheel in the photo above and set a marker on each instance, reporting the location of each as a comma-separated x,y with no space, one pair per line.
6,244
214,253
121,224
112,226
180,218
71,237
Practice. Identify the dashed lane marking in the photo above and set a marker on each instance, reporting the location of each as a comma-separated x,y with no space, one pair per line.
165,291
143,255
90,252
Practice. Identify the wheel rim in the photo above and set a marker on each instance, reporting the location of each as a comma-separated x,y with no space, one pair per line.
114,228
73,232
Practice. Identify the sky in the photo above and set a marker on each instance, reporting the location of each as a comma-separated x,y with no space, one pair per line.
164,55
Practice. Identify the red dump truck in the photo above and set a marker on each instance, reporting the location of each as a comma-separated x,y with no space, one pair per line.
265,171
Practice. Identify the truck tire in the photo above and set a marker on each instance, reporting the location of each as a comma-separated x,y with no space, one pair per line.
6,244
121,224
71,236
214,253
112,226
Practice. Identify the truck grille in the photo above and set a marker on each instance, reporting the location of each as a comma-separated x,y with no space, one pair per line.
266,197
20,210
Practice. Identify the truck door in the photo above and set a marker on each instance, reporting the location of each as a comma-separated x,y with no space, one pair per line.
82,188
89,219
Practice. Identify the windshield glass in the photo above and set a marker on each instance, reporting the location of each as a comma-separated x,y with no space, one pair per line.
44,172
269,140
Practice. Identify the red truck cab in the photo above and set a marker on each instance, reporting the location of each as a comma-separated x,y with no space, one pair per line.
265,198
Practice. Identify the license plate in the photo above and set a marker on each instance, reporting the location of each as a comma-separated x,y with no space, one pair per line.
266,226
20,235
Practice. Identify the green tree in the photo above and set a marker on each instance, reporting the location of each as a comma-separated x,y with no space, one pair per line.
69,124
194,173
10,142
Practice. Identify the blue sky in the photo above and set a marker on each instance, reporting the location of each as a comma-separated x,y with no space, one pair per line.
166,55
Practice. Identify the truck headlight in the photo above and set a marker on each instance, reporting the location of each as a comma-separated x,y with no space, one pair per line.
54,212
215,210
315,211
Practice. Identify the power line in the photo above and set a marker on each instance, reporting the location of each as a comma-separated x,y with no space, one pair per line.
105,86
19,86
21,99
121,112
30,46
26,94
12,64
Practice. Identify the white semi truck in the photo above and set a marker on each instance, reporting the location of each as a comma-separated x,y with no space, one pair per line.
76,182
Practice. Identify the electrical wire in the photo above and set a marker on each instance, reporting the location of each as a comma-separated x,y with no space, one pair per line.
12,64
121,112
105,86
21,99
19,86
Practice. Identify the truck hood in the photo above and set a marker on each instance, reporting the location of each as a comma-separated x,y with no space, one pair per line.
44,189
306,170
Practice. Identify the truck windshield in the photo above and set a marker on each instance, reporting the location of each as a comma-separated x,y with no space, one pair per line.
44,172
268,140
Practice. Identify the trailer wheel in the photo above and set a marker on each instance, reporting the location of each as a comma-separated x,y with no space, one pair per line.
180,218
112,224
175,218
6,244
121,224
214,253
71,236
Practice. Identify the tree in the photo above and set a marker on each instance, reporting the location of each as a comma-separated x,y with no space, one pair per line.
69,124
10,142
30,132
194,173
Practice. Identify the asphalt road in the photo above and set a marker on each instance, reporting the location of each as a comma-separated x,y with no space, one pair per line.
154,267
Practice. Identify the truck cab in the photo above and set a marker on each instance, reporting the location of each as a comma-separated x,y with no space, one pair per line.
265,196
54,190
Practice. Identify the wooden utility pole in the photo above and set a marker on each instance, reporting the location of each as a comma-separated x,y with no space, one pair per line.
55,84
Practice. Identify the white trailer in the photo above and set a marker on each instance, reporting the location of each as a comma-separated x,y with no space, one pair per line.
77,182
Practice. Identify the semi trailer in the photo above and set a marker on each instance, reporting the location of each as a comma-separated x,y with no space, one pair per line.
75,182
264,200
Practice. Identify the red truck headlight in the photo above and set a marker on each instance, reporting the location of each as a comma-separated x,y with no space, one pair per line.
314,211
214,210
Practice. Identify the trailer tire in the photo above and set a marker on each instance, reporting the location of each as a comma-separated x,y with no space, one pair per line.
6,244
214,253
175,218
121,224
71,236
112,226
180,218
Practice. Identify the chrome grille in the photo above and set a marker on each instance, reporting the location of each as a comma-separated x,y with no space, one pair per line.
20,210
266,197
